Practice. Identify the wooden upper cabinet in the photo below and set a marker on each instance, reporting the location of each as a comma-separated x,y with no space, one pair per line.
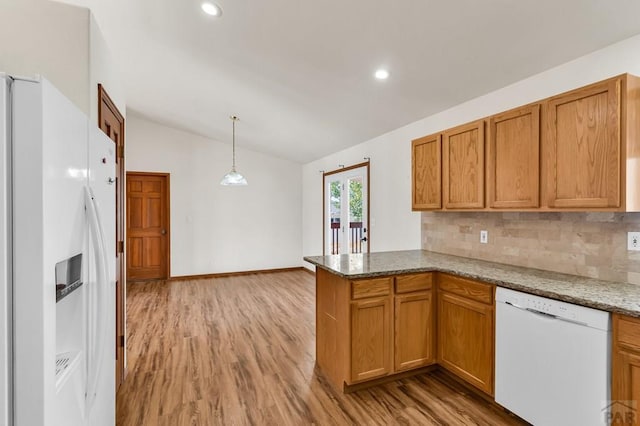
583,147
577,151
426,173
513,159
463,166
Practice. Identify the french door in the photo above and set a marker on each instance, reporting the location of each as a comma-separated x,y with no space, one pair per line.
346,210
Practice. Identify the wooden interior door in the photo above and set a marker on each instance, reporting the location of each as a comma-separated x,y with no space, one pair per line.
147,226
111,122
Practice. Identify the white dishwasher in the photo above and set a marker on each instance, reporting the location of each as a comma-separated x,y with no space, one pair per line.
552,360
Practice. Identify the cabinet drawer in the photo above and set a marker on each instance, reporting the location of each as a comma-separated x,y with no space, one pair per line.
628,329
414,282
467,288
370,288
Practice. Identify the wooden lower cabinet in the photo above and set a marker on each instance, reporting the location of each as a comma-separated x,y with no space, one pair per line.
414,331
373,328
370,338
625,386
466,337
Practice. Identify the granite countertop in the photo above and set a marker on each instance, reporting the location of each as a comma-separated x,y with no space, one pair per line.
609,296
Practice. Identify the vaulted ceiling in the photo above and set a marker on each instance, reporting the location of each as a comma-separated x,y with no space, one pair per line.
299,73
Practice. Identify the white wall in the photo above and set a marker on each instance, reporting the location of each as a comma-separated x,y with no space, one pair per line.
214,228
63,44
104,70
393,225
49,39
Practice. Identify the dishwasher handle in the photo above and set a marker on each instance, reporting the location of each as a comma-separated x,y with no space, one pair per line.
533,311
544,314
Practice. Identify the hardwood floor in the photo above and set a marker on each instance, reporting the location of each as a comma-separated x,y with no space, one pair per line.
240,351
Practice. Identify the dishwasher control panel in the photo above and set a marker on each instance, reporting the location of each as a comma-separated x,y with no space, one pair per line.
554,308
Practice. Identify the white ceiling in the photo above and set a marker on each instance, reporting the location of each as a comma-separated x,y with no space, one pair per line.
299,73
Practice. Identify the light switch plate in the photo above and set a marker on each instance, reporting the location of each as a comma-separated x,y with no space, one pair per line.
633,241
484,237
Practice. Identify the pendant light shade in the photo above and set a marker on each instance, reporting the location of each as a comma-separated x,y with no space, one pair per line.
233,178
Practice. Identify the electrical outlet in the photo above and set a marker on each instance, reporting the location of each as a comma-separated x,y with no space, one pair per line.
633,241
484,237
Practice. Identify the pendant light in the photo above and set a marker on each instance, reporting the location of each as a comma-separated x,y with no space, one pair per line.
233,178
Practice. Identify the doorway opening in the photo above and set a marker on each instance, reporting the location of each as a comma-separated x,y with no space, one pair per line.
345,218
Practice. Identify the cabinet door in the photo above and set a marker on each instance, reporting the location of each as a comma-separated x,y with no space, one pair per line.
370,338
625,392
625,365
513,159
414,333
463,167
465,339
426,172
583,156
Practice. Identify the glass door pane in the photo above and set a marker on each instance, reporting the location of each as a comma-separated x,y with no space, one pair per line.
335,215
356,236
346,212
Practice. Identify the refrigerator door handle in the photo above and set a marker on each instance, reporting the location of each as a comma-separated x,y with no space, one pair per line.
99,316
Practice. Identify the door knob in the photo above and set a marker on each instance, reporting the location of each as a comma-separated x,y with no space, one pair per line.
363,239
163,232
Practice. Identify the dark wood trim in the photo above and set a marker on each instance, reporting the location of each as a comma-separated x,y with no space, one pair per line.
366,164
324,217
104,100
344,169
167,176
368,230
308,271
134,172
103,96
235,274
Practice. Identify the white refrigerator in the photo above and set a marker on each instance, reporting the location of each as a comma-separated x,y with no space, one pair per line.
57,261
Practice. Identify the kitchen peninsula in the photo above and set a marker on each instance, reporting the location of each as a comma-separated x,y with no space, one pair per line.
384,315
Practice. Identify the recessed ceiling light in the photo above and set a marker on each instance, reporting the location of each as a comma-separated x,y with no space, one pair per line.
382,74
211,9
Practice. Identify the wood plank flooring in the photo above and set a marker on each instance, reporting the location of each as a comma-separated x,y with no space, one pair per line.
240,351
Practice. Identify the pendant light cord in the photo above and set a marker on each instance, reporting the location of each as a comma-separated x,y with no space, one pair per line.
234,119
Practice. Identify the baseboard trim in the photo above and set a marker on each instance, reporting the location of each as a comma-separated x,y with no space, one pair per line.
308,271
235,274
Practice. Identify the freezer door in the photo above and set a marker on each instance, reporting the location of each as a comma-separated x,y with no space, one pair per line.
49,175
6,384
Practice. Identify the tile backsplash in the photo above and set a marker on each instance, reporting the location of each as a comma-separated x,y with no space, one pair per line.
587,244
